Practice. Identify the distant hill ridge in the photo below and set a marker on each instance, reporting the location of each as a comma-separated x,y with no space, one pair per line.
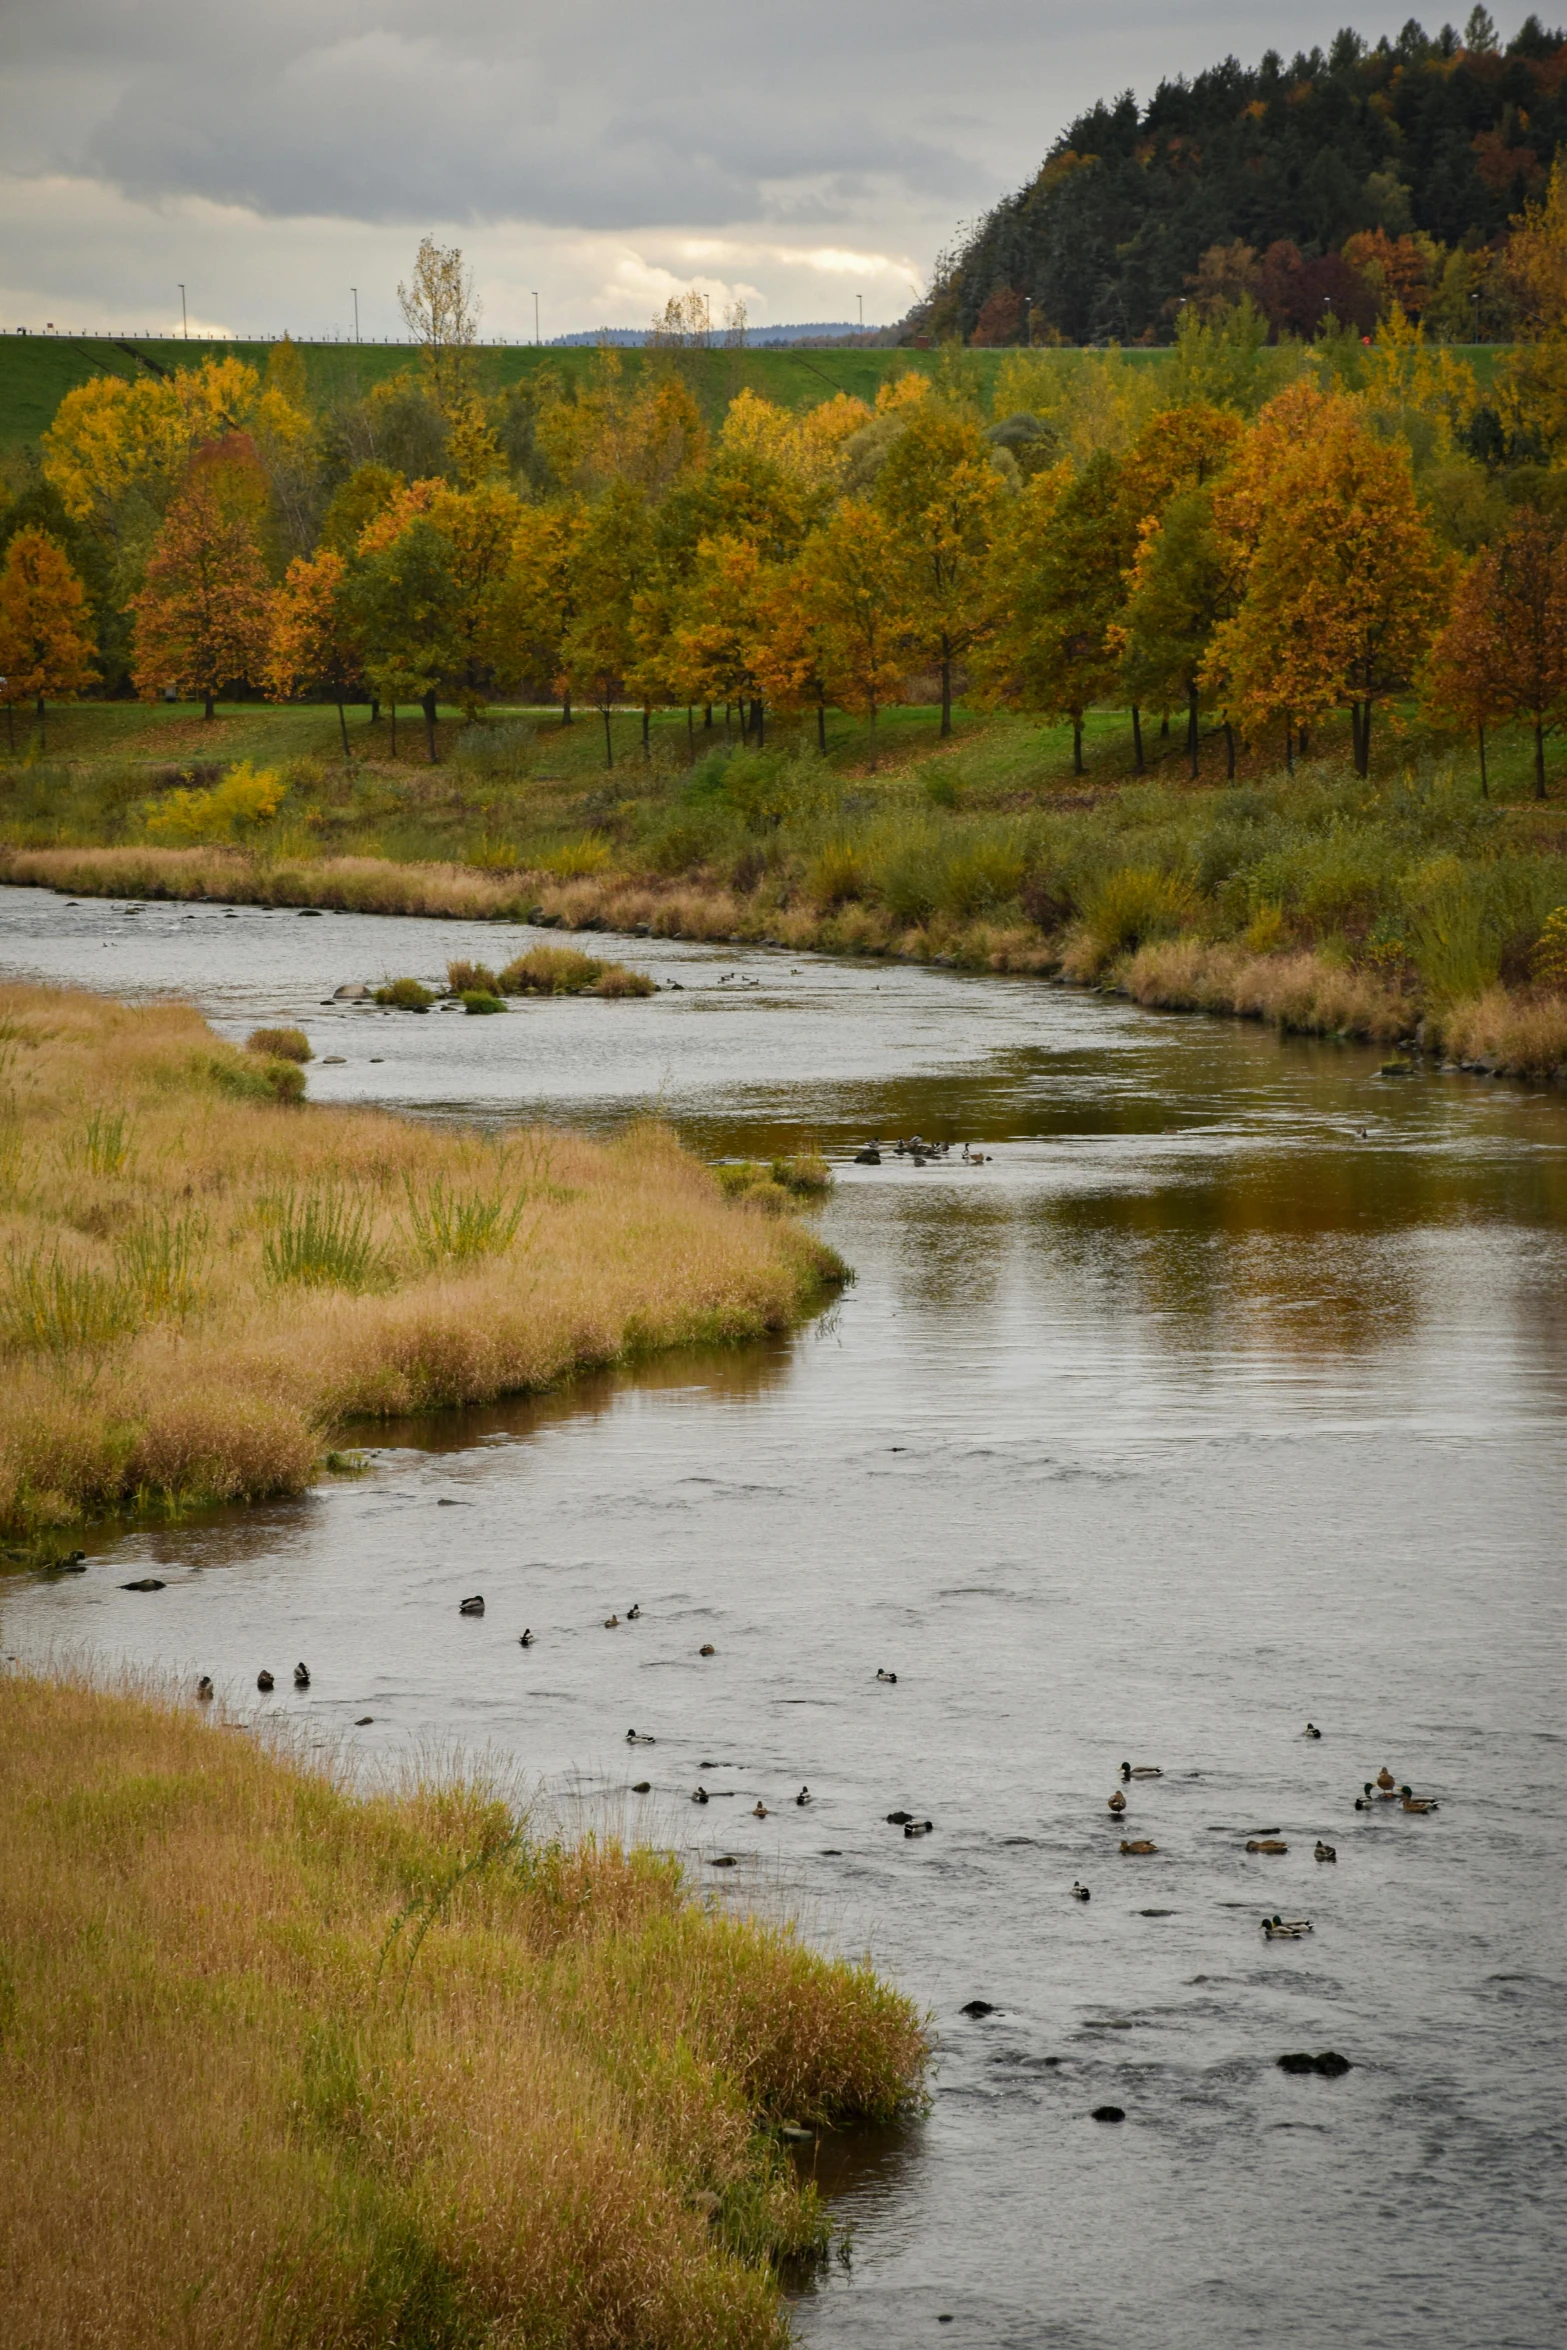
1331,183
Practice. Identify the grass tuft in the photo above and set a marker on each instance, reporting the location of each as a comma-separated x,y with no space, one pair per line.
405,995
280,1044
321,1240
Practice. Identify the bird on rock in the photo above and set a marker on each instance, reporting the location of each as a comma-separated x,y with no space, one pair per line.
264,1680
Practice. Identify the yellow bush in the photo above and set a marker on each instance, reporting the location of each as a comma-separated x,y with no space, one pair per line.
245,798
1549,960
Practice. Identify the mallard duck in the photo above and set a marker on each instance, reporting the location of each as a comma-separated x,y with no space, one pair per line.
204,1688
918,1827
885,1676
525,1639
1311,1730
1138,1847
640,1738
1080,1892
1118,1803
1266,1844
301,1676
632,1613
1385,1780
804,1797
972,1158
1141,1771
1413,1802
899,1819
610,1623
1324,1851
1286,1929
758,1811
473,1606
700,1795
707,1649
264,1680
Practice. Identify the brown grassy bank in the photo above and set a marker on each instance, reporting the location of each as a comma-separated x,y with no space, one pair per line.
285,2066
197,1281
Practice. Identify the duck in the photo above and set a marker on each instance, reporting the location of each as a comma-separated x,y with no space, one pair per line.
1266,1844
1417,1803
610,1623
972,1158
1138,1847
301,1676
899,1819
1080,1892
1372,1795
204,1689
870,1156
707,1649
632,1613
1385,1780
1311,1731
640,1738
525,1639
1118,1803
1141,1771
699,1795
641,1786
804,1797
918,1827
264,1679
473,1606
1324,1851
1280,1929
883,1675
759,1810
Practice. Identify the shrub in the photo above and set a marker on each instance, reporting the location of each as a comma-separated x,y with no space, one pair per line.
1452,942
320,1240
1548,962
616,980
563,971
480,1000
405,995
1132,905
836,873
981,871
280,1044
462,977
246,797
574,860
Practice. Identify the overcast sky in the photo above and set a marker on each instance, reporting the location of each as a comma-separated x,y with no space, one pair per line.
607,152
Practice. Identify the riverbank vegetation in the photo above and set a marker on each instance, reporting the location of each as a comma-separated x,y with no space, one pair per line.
200,1277
325,2068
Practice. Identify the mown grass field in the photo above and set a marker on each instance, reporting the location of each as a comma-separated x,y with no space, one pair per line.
286,2064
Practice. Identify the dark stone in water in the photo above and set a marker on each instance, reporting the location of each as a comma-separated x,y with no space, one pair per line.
1297,2062
977,2007
642,1787
899,1819
724,1860
73,1563
1329,2064
145,1583
1109,2113
309,913
363,1722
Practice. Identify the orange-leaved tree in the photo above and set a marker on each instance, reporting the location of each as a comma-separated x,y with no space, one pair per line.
202,617
45,627
315,643
1503,653
855,583
1345,584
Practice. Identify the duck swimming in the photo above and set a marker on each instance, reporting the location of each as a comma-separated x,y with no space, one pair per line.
1080,1892
700,1795
1138,1848
1324,1851
707,1649
1311,1730
204,1688
1417,1803
610,1623
264,1680
758,1811
525,1640
1141,1771
1370,1796
1118,1803
640,1738
473,1606
884,1676
632,1613
1266,1844
918,1827
301,1676
1286,1929
804,1797
1385,1780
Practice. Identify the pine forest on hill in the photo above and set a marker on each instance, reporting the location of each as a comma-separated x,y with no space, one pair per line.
1339,181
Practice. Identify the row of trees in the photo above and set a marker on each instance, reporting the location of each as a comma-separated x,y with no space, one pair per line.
1255,577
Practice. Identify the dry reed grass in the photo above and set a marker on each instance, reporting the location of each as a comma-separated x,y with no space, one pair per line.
286,2066
1514,1034
137,1151
1300,991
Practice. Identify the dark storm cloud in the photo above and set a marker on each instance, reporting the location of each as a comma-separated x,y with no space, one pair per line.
605,114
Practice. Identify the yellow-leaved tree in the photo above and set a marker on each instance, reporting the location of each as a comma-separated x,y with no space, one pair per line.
315,646
944,500
855,586
45,627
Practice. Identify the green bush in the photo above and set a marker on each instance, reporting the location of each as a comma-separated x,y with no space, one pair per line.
405,995
1132,905
280,1044
480,1000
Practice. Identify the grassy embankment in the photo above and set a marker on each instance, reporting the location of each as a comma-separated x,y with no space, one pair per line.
1318,901
282,2064
200,1278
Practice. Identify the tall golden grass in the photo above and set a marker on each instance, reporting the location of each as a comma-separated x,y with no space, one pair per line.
284,2065
198,1282
1301,990
1513,1033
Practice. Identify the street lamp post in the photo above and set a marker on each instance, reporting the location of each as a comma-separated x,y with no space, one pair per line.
860,298
354,290
534,291
184,315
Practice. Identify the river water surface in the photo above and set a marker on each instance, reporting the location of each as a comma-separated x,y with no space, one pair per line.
1230,1393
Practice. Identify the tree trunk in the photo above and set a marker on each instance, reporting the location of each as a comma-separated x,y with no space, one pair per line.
609,748
1539,757
1304,744
821,727
10,724
726,721
1289,748
1077,743
43,736
1137,739
342,723
946,696
1191,729
873,738
761,722
1485,785
375,708
647,719
210,710
392,708
1229,751
690,731
1363,762
707,717
566,718
1164,726
428,706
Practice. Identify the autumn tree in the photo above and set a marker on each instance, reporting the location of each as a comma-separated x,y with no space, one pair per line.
854,579
314,644
45,626
404,601
1344,582
719,629
442,314
1503,653
542,591
1183,584
202,617
943,498
613,565
1058,585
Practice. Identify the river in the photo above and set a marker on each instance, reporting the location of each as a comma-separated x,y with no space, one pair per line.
1228,1393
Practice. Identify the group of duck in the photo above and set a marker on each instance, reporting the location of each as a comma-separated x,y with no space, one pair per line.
918,1151
1383,1789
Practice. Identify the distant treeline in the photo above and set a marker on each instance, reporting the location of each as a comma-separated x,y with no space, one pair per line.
1326,188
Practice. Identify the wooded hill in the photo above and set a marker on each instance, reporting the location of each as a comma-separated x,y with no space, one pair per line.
1337,182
